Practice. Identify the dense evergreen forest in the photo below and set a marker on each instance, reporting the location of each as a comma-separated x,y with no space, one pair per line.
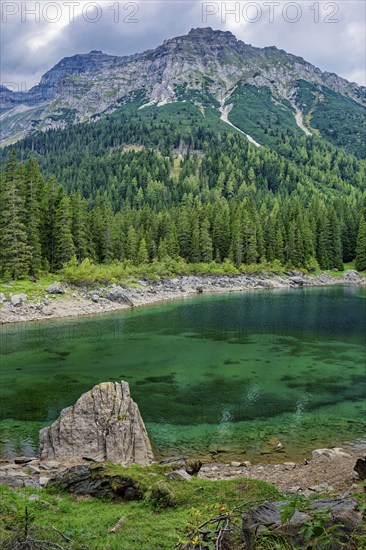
141,190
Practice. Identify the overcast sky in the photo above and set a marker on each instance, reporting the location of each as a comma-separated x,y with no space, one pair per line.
36,35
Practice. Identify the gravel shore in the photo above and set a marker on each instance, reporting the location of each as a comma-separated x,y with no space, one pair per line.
70,301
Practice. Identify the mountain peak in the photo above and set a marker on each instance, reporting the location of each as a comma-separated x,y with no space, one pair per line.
204,32
205,67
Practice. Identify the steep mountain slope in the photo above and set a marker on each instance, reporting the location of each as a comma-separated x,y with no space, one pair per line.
263,92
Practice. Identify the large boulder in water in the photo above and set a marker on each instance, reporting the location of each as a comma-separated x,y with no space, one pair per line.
104,423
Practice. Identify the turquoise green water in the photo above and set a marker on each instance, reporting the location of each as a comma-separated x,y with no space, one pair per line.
213,376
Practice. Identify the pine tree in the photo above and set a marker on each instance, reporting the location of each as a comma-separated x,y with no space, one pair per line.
173,243
79,227
50,199
14,247
33,184
361,246
64,245
194,247
236,246
205,242
142,254
131,245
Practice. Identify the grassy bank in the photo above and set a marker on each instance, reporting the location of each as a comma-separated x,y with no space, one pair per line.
126,273
149,524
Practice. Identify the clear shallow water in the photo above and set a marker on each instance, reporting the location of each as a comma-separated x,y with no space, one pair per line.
214,375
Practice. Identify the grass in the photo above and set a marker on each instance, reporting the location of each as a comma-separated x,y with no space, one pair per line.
256,113
128,274
34,290
338,119
339,274
87,520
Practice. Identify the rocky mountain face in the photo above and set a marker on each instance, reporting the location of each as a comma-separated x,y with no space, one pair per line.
204,67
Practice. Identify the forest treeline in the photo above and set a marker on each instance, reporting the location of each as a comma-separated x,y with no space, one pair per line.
197,195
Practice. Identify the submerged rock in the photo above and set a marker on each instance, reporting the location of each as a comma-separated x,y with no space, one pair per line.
104,423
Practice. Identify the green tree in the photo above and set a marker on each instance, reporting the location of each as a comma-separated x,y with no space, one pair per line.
64,244
205,242
142,254
15,249
33,185
361,246
79,227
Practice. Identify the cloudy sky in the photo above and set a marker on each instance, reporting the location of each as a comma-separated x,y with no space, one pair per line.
36,35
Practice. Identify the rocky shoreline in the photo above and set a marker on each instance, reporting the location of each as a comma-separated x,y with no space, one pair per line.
105,425
328,471
63,300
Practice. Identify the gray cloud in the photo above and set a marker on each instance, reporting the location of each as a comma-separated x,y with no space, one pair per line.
30,48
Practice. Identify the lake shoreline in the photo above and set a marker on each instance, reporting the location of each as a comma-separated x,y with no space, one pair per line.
326,470
70,301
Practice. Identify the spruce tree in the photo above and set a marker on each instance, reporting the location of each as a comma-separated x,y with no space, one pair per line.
33,185
142,254
79,227
64,244
205,242
173,243
14,247
361,246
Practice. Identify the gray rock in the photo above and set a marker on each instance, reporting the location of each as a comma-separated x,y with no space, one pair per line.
321,488
174,460
289,465
94,481
351,276
43,481
341,512
179,474
32,469
297,281
117,526
329,454
104,422
50,465
193,466
18,299
14,482
118,294
360,468
24,459
11,466
55,288
93,458
2,298
267,517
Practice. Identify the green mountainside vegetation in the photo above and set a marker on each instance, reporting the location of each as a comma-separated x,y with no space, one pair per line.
339,119
142,189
